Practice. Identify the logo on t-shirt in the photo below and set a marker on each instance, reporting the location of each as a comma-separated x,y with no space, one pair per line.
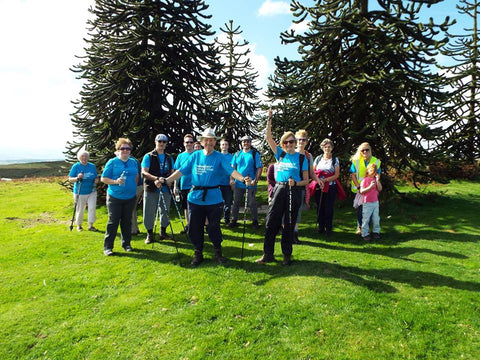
285,166
203,169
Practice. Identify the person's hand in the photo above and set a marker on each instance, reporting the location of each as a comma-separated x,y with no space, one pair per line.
377,177
291,182
169,182
159,182
95,181
232,182
248,181
321,183
80,176
120,181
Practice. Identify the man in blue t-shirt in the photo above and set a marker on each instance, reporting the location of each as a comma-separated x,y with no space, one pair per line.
156,197
247,162
226,183
205,198
183,185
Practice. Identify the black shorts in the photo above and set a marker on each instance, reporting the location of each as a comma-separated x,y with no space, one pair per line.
183,198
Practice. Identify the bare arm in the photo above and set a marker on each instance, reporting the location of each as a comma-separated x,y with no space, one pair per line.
268,135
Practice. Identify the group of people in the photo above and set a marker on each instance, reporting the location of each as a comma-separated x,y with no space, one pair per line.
210,184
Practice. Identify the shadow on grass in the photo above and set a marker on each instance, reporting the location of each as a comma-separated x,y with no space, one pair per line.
372,279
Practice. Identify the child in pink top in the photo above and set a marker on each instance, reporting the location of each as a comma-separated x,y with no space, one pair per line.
369,188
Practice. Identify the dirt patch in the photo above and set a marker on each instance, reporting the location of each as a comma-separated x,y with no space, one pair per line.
41,219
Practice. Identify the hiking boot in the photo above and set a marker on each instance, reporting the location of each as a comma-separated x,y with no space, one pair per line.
255,224
108,252
79,228
376,236
184,231
359,230
295,238
287,260
150,239
218,256
197,258
366,238
233,224
265,259
164,235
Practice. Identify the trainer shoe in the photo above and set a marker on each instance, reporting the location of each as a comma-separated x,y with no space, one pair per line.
366,238
79,228
128,248
92,228
108,252
265,259
149,239
164,236
376,236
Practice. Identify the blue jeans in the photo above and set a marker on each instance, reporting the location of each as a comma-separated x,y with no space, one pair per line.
370,210
197,215
227,195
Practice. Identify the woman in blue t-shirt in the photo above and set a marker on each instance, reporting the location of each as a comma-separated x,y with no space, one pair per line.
290,177
84,176
121,175
205,198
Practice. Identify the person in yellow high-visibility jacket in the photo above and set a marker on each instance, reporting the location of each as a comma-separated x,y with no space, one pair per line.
358,170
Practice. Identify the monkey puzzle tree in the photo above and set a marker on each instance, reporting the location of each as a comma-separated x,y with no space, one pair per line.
462,140
235,94
365,75
146,70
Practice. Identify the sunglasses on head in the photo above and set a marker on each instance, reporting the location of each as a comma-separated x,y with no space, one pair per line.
289,142
125,148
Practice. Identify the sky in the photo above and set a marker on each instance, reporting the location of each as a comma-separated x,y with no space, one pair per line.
42,39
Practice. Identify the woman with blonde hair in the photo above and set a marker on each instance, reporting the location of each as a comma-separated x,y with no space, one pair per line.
358,170
122,176
291,176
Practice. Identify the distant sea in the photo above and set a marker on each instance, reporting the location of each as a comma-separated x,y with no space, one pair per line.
24,161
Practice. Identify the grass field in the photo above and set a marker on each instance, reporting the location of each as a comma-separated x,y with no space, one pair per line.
413,295
37,169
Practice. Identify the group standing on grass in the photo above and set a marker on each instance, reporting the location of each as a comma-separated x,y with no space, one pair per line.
206,182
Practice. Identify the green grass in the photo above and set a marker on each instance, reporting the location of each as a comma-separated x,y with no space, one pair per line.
27,170
413,295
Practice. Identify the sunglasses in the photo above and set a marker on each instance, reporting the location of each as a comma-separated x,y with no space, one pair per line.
365,150
188,142
302,139
125,149
161,141
289,142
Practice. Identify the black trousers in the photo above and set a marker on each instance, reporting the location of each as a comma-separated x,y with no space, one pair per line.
278,208
119,212
325,208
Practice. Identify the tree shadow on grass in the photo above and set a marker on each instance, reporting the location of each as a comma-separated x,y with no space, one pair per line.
377,280
392,252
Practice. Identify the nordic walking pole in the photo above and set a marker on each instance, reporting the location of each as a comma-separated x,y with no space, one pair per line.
157,218
290,209
318,208
171,228
176,207
76,203
244,220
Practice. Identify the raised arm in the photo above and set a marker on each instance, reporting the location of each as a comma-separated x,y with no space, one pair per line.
268,134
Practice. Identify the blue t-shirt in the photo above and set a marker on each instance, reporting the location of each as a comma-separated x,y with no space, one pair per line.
89,175
243,163
205,171
225,178
162,163
289,166
185,180
114,169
